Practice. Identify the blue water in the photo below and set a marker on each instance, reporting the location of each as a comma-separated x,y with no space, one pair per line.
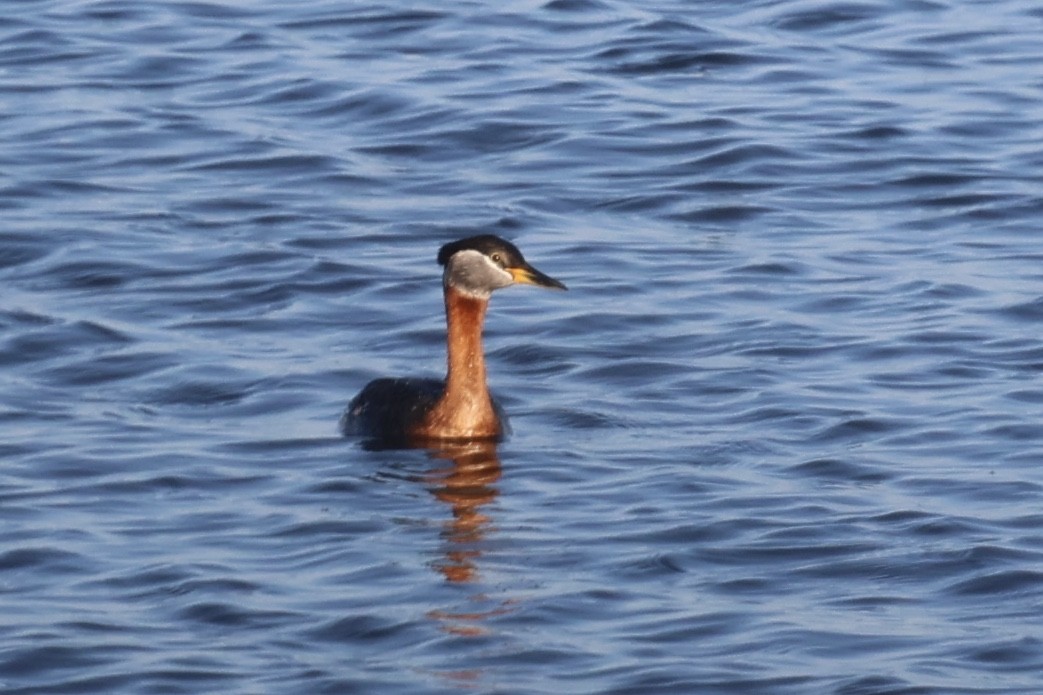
784,434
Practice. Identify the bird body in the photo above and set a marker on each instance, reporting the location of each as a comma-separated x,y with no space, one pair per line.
460,407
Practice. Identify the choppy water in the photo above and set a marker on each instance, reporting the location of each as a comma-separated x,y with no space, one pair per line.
783,435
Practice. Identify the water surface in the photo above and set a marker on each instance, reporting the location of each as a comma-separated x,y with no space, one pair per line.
782,435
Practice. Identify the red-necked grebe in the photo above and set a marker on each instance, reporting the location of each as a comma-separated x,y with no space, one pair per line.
459,408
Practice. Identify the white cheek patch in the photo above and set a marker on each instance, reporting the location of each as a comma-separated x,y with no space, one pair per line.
473,273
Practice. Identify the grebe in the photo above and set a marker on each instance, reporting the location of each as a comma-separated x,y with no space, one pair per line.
459,408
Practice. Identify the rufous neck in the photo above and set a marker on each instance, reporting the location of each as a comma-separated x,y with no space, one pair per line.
465,316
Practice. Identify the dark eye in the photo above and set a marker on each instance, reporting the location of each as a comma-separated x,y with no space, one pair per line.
497,259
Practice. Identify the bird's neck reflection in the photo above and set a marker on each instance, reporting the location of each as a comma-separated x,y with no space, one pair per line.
466,482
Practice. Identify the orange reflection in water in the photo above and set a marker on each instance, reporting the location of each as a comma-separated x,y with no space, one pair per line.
467,483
